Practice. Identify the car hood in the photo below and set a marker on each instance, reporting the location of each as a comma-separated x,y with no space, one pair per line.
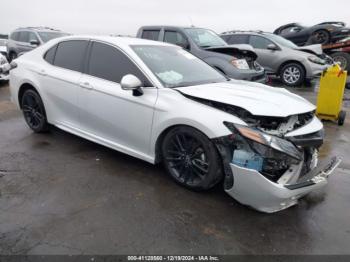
312,49
243,49
258,99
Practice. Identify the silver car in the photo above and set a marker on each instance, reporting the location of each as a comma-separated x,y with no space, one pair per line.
294,65
26,39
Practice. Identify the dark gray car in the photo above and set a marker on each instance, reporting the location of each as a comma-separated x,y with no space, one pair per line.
235,62
26,39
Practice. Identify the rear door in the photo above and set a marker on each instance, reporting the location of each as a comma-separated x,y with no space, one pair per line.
60,78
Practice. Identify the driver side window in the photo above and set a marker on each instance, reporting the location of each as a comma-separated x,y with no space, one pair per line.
259,42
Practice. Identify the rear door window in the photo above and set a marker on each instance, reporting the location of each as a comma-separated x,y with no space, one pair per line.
14,36
71,54
109,63
23,37
151,34
238,39
50,54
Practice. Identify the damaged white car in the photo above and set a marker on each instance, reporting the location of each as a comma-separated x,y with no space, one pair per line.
4,68
159,103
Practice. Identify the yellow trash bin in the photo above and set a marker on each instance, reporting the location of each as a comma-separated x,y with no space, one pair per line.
330,95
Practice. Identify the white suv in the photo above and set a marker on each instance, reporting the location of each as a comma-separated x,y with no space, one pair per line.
159,103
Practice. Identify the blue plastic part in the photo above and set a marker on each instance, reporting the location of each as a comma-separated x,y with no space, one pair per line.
249,160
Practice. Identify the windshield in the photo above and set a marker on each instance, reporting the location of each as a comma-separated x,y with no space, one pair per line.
205,38
282,41
47,36
175,67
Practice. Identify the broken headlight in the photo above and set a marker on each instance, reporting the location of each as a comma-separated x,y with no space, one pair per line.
269,155
262,143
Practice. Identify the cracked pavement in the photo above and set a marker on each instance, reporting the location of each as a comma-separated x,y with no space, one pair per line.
61,194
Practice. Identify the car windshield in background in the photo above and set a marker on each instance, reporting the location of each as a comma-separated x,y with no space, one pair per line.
282,41
175,67
47,36
205,38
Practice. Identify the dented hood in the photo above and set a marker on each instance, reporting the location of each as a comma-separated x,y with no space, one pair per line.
312,49
256,98
242,49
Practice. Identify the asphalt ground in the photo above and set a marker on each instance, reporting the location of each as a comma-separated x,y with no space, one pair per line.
61,194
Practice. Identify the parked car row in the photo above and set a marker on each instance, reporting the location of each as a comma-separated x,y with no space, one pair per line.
242,55
161,103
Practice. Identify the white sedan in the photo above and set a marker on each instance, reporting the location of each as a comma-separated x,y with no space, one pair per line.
159,103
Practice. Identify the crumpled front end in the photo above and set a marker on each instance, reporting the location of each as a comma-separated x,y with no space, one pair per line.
4,68
270,170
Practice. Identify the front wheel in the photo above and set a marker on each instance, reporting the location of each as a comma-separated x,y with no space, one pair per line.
292,74
343,59
34,111
191,159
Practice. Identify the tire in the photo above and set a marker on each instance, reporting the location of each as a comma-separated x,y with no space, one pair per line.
191,159
343,58
34,111
292,74
341,118
322,37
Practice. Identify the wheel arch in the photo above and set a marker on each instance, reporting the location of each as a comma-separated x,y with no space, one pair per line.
164,132
24,87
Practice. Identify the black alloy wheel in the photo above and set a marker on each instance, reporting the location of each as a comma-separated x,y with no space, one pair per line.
34,111
191,158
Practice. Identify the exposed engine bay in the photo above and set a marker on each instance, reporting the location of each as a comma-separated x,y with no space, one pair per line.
273,163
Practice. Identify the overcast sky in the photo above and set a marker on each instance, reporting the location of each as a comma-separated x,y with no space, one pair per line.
125,17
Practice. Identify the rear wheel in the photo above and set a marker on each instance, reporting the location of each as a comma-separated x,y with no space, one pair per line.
343,59
191,158
341,118
320,37
292,74
34,111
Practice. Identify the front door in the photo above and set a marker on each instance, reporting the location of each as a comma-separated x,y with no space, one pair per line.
110,114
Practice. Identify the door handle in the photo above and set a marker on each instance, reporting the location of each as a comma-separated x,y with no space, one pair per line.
42,72
86,85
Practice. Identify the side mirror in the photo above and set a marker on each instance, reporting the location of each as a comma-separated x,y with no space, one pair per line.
34,42
131,82
272,47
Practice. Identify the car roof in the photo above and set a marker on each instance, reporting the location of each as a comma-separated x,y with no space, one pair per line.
38,29
246,33
150,27
117,40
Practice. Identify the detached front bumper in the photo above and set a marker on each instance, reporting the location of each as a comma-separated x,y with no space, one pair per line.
251,188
